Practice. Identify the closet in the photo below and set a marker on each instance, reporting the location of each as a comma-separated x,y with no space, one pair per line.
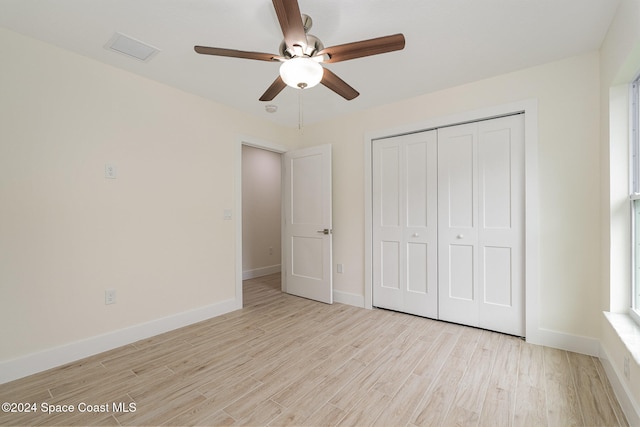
448,224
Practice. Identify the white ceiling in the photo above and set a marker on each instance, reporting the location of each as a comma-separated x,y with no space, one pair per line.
448,42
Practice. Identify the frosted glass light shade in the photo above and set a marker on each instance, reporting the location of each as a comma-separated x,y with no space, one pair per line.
301,73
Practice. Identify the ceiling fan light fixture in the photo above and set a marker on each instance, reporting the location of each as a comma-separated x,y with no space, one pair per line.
301,72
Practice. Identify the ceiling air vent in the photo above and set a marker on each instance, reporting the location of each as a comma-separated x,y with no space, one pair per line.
131,47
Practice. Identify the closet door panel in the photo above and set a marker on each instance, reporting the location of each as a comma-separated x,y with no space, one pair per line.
387,225
405,182
457,161
498,272
417,268
461,280
388,160
496,177
420,178
417,183
501,230
390,265
457,224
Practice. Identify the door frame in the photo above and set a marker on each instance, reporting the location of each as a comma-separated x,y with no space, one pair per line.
237,194
531,233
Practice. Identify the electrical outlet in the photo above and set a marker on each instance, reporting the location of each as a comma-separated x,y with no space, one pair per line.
340,268
110,296
270,250
627,373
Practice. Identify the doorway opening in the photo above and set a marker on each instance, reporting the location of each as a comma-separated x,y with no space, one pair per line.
261,212
305,223
258,195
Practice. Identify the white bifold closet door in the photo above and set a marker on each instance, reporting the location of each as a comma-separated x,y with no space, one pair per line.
405,218
448,211
481,224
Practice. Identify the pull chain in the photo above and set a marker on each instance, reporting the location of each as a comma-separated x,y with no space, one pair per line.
300,113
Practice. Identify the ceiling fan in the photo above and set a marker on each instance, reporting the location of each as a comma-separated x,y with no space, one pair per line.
301,54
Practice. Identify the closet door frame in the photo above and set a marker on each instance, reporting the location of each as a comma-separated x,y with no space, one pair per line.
529,107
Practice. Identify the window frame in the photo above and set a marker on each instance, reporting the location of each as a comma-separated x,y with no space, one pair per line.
634,310
634,192
634,149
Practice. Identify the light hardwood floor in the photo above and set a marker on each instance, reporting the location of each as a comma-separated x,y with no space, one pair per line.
284,360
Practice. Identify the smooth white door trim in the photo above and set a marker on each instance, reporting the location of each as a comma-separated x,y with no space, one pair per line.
530,108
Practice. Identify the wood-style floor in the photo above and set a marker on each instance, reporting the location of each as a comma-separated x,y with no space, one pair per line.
284,360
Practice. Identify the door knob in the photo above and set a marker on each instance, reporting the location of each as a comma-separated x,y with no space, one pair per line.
325,231
415,235
459,236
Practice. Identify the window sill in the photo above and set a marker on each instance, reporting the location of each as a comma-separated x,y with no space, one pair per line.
628,331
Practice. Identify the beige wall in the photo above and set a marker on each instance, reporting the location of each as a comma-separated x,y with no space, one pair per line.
261,206
619,65
156,234
567,92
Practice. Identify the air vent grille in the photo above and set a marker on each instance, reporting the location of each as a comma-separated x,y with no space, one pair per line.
131,47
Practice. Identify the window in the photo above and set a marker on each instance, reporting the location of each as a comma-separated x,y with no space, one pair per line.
634,185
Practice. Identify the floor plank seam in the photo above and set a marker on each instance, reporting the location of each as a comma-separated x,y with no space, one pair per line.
544,384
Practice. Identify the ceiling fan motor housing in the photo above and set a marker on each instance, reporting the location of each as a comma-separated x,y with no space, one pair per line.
312,47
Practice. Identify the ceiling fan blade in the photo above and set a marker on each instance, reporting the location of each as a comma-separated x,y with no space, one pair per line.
290,20
363,48
233,53
339,86
273,90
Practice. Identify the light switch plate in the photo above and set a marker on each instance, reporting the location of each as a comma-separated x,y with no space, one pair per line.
110,296
110,171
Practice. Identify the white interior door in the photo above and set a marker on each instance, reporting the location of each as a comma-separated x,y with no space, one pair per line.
481,224
405,224
307,223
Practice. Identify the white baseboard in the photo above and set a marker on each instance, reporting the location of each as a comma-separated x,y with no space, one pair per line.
262,271
50,358
348,298
568,342
622,392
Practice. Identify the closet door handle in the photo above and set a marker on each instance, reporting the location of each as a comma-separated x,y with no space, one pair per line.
325,231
